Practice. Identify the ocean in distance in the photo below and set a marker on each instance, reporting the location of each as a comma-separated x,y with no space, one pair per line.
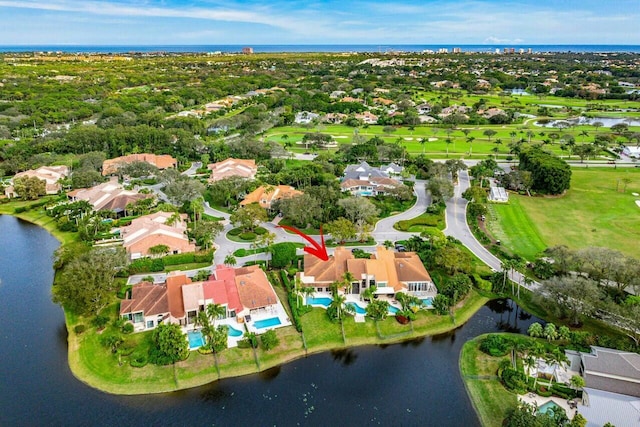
334,48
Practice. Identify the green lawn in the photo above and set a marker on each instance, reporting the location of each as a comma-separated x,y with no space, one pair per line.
490,399
592,213
510,224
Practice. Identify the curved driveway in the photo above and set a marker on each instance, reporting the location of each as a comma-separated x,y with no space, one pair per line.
457,226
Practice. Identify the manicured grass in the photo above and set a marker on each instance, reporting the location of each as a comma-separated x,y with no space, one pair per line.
490,399
190,266
510,224
591,213
38,217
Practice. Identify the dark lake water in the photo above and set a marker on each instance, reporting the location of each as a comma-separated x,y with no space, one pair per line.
415,383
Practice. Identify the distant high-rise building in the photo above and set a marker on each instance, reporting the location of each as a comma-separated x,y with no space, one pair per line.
457,50
512,50
521,51
529,50
443,50
247,50
497,50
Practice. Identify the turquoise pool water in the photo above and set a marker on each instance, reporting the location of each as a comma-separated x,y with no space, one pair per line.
393,310
325,301
427,301
233,332
196,340
265,323
549,407
358,309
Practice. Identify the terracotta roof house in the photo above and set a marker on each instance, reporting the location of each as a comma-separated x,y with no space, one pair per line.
243,292
254,289
51,175
265,196
147,307
351,99
161,161
367,117
383,101
107,196
389,271
148,231
244,168
334,118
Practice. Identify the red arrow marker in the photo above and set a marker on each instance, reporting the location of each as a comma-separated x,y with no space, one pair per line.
319,249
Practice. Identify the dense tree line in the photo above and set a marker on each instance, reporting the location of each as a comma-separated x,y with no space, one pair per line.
549,174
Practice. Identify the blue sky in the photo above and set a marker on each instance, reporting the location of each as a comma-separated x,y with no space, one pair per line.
319,22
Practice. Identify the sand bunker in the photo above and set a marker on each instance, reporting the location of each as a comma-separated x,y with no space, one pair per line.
432,139
638,203
635,194
408,139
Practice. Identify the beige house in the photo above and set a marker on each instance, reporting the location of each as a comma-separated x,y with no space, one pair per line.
51,175
244,168
156,229
265,196
161,161
107,196
389,271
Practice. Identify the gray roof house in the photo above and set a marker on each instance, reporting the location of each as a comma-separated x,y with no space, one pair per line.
364,172
612,386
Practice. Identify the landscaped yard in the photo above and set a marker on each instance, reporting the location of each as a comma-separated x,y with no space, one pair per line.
592,213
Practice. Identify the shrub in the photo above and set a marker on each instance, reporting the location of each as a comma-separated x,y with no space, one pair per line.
494,345
514,380
122,292
178,259
269,340
252,338
138,360
248,236
201,257
78,329
260,231
283,254
127,328
234,231
542,391
100,321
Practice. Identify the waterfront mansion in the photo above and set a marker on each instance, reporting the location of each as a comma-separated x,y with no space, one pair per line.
389,271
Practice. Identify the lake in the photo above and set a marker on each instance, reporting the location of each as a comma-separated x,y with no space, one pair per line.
413,383
607,122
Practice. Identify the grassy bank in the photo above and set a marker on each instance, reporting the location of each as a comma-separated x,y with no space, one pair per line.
95,365
479,372
38,216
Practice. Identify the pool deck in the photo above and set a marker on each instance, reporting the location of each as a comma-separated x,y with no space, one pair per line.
538,401
275,310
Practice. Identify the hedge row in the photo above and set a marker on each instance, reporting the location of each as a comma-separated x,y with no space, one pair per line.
149,265
293,303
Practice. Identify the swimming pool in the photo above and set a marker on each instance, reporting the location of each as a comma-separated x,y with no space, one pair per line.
549,407
427,301
393,310
265,323
325,301
196,340
233,332
357,308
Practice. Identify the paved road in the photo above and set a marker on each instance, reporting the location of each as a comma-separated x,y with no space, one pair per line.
457,226
193,169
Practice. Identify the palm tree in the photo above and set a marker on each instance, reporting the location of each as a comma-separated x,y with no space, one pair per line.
347,280
529,363
215,311
307,291
535,330
470,139
230,260
197,206
368,294
550,332
529,135
422,142
338,304
448,141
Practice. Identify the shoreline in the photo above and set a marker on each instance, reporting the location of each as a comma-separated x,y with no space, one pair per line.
82,371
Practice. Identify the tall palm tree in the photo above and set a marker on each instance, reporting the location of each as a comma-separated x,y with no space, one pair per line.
307,291
470,139
347,280
230,260
369,293
215,311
